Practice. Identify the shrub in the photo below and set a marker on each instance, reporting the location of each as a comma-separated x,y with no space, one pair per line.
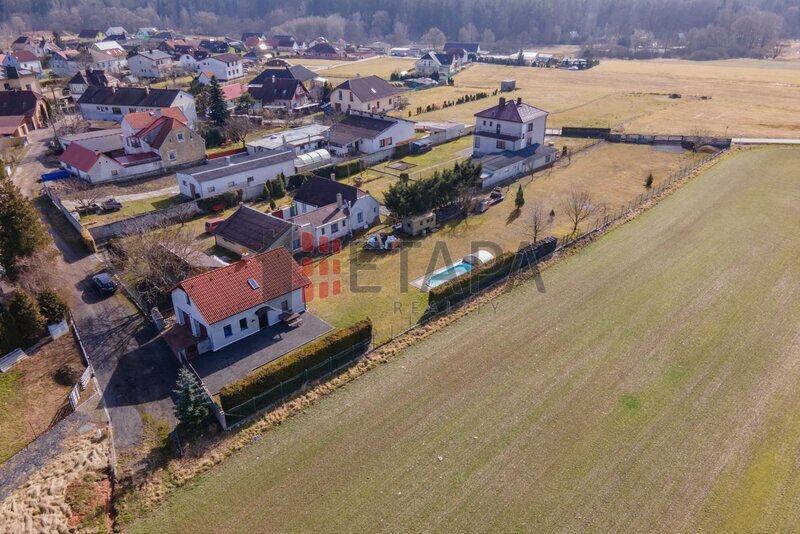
67,375
294,363
326,171
278,187
52,305
212,136
297,180
227,199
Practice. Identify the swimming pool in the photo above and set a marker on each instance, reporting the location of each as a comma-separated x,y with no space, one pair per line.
454,271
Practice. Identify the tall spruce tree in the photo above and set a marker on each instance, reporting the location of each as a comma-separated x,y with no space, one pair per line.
21,231
191,406
217,109
519,201
24,323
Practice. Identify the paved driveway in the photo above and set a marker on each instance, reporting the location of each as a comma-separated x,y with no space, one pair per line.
239,359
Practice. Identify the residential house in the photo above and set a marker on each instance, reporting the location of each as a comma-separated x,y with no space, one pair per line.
177,47
66,62
12,79
26,104
367,94
90,78
146,33
509,141
38,46
116,31
147,143
324,50
282,94
361,209
23,60
227,304
251,231
191,59
436,65
368,134
91,36
111,103
248,173
13,126
379,47
473,50
225,67
231,94
215,47
284,44
307,77
108,56
150,64
302,140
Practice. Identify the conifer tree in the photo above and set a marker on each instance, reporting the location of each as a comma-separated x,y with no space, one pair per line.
191,405
217,109
21,231
520,200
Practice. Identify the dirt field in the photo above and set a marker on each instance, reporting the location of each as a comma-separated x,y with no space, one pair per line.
649,383
744,98
31,399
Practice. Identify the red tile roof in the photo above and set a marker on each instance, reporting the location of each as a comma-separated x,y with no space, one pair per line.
10,124
224,292
163,126
24,55
79,157
232,92
143,119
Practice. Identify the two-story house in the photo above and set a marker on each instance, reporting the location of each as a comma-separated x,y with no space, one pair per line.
23,60
227,304
436,65
111,103
109,56
66,62
336,199
151,64
369,94
283,94
12,79
90,78
224,66
509,141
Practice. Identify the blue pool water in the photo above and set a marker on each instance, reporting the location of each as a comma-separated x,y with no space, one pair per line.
454,271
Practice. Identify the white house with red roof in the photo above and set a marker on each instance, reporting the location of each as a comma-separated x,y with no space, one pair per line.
224,66
509,141
226,305
23,60
147,143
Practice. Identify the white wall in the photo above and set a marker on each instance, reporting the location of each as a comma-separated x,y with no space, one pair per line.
102,112
399,132
513,171
223,71
488,145
220,185
216,331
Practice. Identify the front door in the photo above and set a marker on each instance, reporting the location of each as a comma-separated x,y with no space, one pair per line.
263,322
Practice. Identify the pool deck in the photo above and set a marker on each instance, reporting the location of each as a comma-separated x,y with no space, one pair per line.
421,283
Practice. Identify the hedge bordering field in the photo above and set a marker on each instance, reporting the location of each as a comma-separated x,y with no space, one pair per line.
294,363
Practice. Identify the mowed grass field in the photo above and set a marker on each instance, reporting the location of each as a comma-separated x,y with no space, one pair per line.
743,98
650,382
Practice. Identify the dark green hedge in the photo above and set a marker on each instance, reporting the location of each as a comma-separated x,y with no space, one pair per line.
297,180
229,199
294,363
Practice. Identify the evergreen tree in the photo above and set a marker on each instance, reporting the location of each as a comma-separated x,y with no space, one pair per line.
21,231
648,183
520,200
23,321
52,305
58,40
279,187
191,406
217,109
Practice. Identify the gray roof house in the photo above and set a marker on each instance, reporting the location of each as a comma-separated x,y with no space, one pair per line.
252,231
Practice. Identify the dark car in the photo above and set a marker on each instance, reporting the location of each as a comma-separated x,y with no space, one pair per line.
104,283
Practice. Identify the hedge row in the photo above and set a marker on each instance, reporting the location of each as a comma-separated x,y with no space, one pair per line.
229,199
294,363
341,170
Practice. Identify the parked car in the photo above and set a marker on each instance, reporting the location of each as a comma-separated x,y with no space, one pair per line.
211,224
105,284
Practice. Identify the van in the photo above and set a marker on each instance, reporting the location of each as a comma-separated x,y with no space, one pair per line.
211,224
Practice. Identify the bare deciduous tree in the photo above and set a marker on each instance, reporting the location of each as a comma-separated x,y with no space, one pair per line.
537,222
237,130
83,193
578,207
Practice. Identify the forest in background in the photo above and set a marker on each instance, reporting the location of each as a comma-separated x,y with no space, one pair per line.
705,29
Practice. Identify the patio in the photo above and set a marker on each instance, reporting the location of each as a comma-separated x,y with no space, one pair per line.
236,361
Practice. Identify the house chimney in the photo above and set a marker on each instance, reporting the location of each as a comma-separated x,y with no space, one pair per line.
339,201
502,101
333,176
519,100
273,78
228,160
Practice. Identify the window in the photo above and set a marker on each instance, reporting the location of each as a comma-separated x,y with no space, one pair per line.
114,173
285,305
227,330
341,97
351,97
231,184
116,111
250,179
184,182
211,189
172,155
360,217
530,127
242,324
181,137
386,142
334,228
501,144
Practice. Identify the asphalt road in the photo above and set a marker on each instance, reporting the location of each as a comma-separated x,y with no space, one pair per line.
134,368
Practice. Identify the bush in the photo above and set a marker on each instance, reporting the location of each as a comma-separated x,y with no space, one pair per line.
278,187
22,323
212,136
325,172
227,199
348,168
294,363
52,305
67,375
297,180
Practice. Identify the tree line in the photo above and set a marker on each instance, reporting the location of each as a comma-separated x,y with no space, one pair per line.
450,186
500,25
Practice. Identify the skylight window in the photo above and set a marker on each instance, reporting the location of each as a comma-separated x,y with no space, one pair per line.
253,284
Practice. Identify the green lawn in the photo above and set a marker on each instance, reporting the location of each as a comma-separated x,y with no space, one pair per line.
133,207
12,427
648,383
